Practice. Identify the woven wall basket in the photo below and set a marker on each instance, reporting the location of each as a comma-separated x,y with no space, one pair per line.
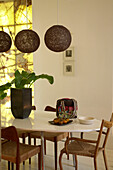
5,41
57,38
27,41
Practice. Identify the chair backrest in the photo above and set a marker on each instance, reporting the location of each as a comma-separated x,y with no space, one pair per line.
107,125
10,133
33,108
49,108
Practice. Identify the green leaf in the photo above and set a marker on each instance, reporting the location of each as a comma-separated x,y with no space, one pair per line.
45,76
17,73
5,86
2,95
25,74
18,79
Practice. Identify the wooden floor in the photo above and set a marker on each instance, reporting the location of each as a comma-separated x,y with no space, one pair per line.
83,162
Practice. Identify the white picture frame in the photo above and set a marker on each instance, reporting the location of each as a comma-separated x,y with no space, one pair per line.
69,68
69,54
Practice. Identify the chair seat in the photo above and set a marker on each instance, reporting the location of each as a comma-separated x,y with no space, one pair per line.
50,135
81,148
26,151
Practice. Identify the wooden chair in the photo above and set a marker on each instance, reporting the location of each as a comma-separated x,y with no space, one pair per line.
16,152
23,134
84,147
53,137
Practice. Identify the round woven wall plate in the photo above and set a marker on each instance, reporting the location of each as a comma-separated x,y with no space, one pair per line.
57,38
27,41
5,41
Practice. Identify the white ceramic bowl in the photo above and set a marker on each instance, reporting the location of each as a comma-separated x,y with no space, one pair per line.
86,120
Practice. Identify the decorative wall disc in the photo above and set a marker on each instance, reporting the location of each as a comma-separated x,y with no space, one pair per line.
57,38
27,41
5,41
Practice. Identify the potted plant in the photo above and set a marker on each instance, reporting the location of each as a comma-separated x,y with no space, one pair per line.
21,93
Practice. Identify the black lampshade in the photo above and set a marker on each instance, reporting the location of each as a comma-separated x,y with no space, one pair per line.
57,38
27,41
5,41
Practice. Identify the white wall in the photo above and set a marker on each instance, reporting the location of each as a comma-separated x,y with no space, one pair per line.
91,25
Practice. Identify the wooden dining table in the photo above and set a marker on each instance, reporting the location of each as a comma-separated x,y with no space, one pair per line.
39,121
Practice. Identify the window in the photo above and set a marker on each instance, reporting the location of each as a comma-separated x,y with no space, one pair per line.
15,15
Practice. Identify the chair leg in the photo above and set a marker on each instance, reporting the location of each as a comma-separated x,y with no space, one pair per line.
95,164
17,166
39,161
45,146
76,163
67,154
60,160
23,140
12,166
29,142
105,161
81,135
55,145
8,165
34,141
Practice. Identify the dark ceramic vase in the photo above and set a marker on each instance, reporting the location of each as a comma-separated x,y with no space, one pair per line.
21,102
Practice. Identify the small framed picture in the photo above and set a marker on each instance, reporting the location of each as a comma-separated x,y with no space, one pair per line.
68,68
69,54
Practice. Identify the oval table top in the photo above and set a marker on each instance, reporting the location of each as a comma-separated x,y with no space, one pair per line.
39,122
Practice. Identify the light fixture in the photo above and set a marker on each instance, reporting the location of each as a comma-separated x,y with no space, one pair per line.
5,41
57,38
27,41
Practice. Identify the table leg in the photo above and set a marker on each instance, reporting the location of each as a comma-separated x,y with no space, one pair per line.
42,152
73,155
